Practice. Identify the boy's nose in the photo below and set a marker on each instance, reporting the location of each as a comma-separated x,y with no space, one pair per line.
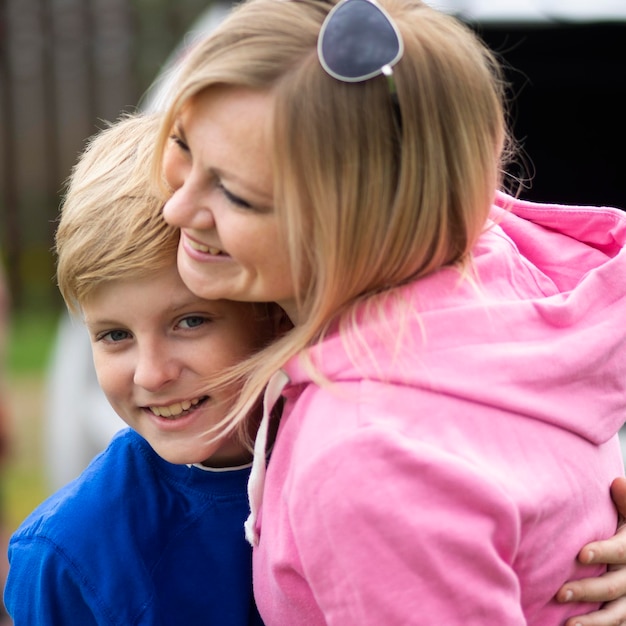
155,368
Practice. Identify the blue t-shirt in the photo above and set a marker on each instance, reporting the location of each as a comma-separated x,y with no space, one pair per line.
135,540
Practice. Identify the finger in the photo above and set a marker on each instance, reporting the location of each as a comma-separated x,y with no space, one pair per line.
611,614
609,551
613,550
609,586
618,493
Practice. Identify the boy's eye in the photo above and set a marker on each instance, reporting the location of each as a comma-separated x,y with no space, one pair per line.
193,321
114,336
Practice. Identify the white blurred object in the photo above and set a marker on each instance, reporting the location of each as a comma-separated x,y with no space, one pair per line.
79,420
507,11
156,97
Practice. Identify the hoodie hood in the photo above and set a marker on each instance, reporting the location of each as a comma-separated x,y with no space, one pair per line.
537,325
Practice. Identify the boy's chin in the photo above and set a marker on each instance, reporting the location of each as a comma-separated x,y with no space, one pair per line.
216,455
184,454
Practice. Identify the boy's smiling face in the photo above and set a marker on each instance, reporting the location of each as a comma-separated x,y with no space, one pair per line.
155,344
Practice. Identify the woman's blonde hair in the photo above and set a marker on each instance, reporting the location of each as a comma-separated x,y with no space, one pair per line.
371,192
111,226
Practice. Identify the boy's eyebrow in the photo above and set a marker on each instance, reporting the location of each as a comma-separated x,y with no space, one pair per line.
91,322
174,307
193,304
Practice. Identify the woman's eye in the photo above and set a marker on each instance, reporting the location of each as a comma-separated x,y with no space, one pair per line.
114,336
177,141
193,321
233,199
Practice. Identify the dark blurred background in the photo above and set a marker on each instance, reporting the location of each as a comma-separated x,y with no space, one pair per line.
568,90
66,65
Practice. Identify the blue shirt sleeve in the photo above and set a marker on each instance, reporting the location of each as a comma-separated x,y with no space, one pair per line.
44,588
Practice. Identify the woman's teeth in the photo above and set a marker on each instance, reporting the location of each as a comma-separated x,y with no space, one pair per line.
200,247
174,410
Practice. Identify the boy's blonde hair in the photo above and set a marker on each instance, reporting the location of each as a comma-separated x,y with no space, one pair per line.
371,193
111,225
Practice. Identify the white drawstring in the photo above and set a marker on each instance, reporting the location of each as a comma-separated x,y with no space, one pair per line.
256,481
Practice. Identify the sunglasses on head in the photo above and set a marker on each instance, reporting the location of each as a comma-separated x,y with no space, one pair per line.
358,41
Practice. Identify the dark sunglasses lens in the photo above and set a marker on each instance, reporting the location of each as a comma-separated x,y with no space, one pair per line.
358,40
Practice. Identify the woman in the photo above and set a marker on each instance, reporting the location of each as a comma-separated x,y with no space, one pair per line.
453,379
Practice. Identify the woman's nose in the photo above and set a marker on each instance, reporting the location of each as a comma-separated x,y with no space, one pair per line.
188,208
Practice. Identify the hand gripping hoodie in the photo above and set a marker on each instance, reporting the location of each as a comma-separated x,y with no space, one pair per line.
461,450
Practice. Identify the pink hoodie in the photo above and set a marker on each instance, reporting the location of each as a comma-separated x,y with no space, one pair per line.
454,474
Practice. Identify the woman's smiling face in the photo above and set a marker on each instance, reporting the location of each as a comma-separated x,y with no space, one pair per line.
218,164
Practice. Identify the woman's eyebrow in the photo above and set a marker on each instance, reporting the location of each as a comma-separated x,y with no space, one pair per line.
179,129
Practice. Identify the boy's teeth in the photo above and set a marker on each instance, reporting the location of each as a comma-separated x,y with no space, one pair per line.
214,251
174,409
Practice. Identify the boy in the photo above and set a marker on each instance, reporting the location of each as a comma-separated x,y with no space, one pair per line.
152,531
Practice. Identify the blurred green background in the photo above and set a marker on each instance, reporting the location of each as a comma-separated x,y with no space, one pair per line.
30,340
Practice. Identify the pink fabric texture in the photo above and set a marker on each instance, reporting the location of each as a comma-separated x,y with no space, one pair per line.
461,453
